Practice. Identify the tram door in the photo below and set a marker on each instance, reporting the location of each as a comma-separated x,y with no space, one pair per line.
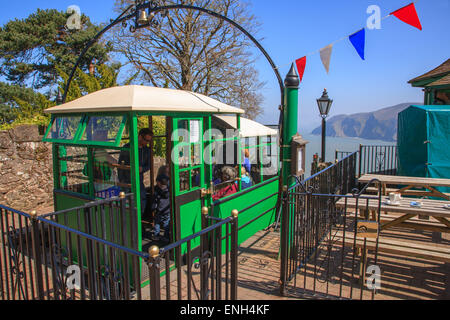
189,177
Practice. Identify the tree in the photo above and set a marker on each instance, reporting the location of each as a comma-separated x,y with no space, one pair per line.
8,93
30,107
36,53
31,49
103,76
192,51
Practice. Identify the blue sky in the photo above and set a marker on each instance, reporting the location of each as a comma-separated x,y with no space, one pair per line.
291,29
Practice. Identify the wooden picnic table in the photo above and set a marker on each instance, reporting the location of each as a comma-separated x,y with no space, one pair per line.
410,183
429,208
403,216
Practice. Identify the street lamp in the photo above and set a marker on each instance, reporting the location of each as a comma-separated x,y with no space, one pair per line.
324,104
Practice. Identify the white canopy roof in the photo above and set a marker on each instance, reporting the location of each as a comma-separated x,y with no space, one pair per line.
143,98
249,128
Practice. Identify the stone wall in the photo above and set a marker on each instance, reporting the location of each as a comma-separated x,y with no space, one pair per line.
26,177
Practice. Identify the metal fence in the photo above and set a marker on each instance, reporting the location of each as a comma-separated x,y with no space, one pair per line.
319,248
373,159
207,272
97,257
377,160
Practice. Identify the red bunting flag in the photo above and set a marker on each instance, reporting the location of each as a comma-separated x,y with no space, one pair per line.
301,64
408,15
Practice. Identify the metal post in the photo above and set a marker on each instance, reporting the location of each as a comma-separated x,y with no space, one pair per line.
284,242
204,248
324,124
290,125
37,255
234,253
360,160
154,272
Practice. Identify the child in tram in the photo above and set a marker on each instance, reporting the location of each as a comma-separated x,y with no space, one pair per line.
161,206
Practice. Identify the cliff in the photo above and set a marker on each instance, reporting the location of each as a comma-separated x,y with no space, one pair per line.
376,125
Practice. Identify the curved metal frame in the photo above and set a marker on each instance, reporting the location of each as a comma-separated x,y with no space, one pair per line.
152,9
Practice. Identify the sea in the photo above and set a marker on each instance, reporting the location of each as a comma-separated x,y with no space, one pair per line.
332,144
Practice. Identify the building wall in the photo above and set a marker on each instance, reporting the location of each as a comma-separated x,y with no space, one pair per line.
26,177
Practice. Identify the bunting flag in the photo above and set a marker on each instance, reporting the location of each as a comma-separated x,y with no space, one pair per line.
358,40
301,63
408,15
325,56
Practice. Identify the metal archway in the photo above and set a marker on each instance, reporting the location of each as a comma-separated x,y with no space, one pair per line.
153,8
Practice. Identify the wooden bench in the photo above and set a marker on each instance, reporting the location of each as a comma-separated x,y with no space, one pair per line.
374,190
429,251
417,223
417,193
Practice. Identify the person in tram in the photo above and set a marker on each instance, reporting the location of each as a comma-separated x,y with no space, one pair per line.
247,164
246,182
164,169
228,175
144,138
160,205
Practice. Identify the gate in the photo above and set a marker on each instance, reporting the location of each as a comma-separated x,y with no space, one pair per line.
329,237
41,259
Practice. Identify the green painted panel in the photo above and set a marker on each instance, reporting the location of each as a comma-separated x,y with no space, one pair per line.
224,210
190,222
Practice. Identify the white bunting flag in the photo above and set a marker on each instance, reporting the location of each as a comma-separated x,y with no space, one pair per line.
325,56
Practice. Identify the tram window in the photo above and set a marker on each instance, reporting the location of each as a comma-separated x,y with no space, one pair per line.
184,180
71,164
183,156
196,154
255,164
188,154
183,131
270,161
102,128
64,128
105,173
195,180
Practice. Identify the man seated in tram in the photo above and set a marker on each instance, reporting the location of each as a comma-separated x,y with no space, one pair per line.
144,138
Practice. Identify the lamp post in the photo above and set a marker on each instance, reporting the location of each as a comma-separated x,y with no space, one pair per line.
324,104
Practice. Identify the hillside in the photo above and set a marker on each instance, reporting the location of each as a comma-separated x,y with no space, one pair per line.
376,125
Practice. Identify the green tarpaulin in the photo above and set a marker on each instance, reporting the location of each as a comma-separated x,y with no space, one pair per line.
424,142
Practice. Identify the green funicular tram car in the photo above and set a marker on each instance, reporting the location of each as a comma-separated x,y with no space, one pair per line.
96,155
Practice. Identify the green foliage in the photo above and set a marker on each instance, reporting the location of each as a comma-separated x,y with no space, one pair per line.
36,53
105,76
6,115
28,106
20,105
31,49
